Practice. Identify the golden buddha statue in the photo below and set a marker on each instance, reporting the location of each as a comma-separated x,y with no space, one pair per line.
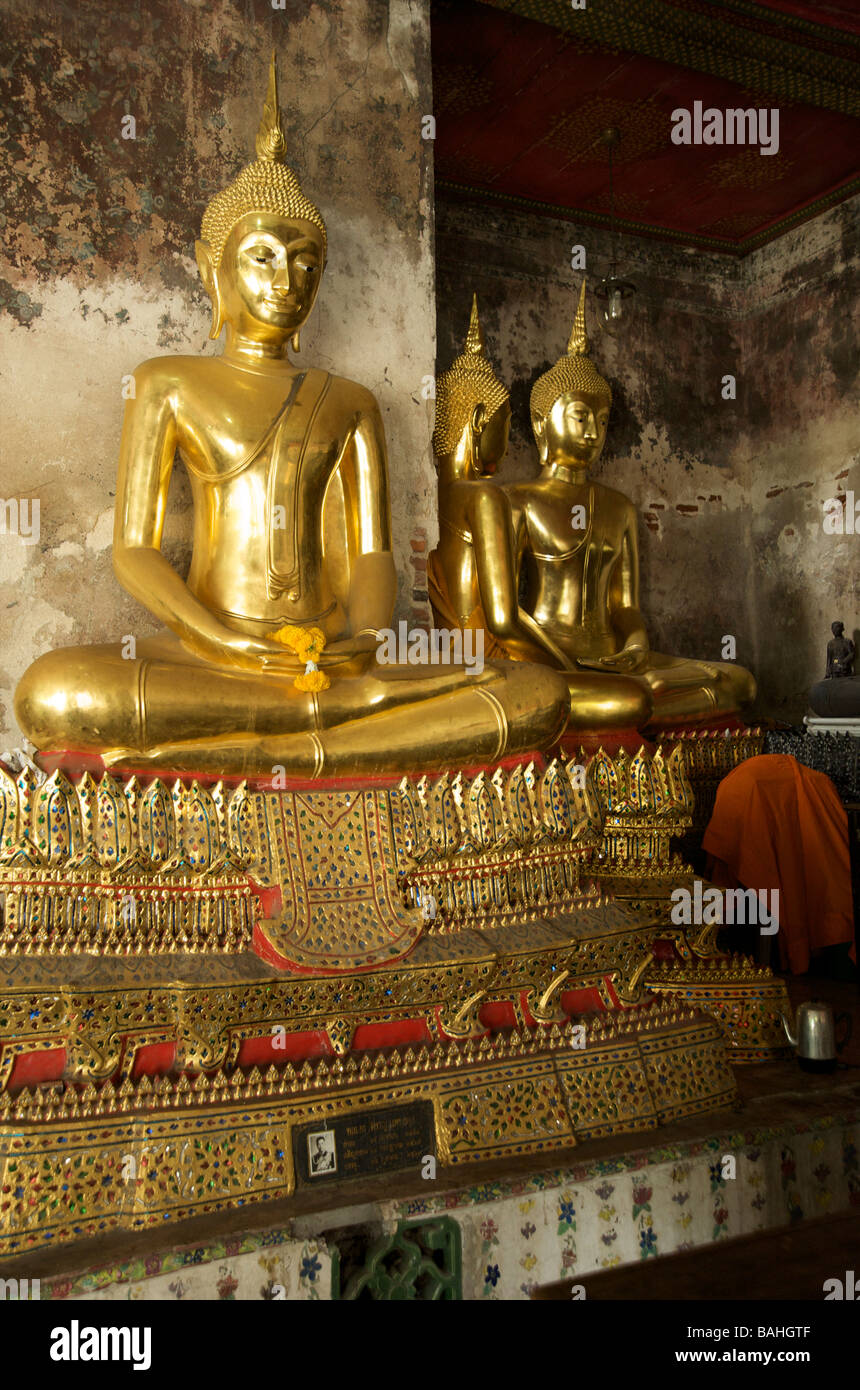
268,657
578,542
472,575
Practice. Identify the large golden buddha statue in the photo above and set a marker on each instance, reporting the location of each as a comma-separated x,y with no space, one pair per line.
472,575
577,540
268,657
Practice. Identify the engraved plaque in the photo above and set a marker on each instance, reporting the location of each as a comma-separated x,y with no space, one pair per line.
364,1143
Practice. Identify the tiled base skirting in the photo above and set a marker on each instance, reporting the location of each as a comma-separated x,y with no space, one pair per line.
516,1235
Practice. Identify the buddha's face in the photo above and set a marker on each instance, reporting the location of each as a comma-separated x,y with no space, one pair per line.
269,275
574,431
493,439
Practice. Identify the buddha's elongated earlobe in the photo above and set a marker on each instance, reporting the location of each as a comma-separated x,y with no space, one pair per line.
217,316
478,421
295,342
209,276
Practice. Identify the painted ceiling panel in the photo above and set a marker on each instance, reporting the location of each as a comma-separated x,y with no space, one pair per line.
521,105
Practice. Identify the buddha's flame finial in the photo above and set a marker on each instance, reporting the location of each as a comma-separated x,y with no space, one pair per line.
573,373
475,344
266,186
578,343
271,142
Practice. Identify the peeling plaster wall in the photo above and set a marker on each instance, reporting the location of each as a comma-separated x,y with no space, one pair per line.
97,270
730,493
801,341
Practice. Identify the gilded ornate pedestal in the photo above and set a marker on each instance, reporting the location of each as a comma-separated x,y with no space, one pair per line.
191,973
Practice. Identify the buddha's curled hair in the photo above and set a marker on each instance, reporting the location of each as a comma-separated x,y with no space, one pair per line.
267,185
469,381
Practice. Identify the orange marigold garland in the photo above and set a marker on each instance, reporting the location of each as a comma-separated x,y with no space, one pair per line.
308,643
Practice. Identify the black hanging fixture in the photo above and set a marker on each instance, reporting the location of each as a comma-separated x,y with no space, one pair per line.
611,290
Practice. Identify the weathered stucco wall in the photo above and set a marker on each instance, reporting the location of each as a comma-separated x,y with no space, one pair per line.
97,270
730,492
801,340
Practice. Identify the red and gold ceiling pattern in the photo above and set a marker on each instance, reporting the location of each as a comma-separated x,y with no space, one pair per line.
521,100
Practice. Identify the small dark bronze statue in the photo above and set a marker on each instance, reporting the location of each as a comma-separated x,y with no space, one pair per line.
840,653
838,695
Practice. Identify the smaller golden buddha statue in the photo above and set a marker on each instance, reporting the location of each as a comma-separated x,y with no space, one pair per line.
472,574
577,540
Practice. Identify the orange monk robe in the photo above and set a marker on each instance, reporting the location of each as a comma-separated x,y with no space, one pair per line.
777,824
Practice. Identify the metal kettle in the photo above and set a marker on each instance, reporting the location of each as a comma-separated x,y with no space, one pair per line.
815,1039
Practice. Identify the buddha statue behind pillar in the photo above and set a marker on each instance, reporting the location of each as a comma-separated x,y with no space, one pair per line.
472,575
267,657
577,540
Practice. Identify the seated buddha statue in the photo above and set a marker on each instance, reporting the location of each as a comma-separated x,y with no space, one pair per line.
577,541
268,652
472,574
